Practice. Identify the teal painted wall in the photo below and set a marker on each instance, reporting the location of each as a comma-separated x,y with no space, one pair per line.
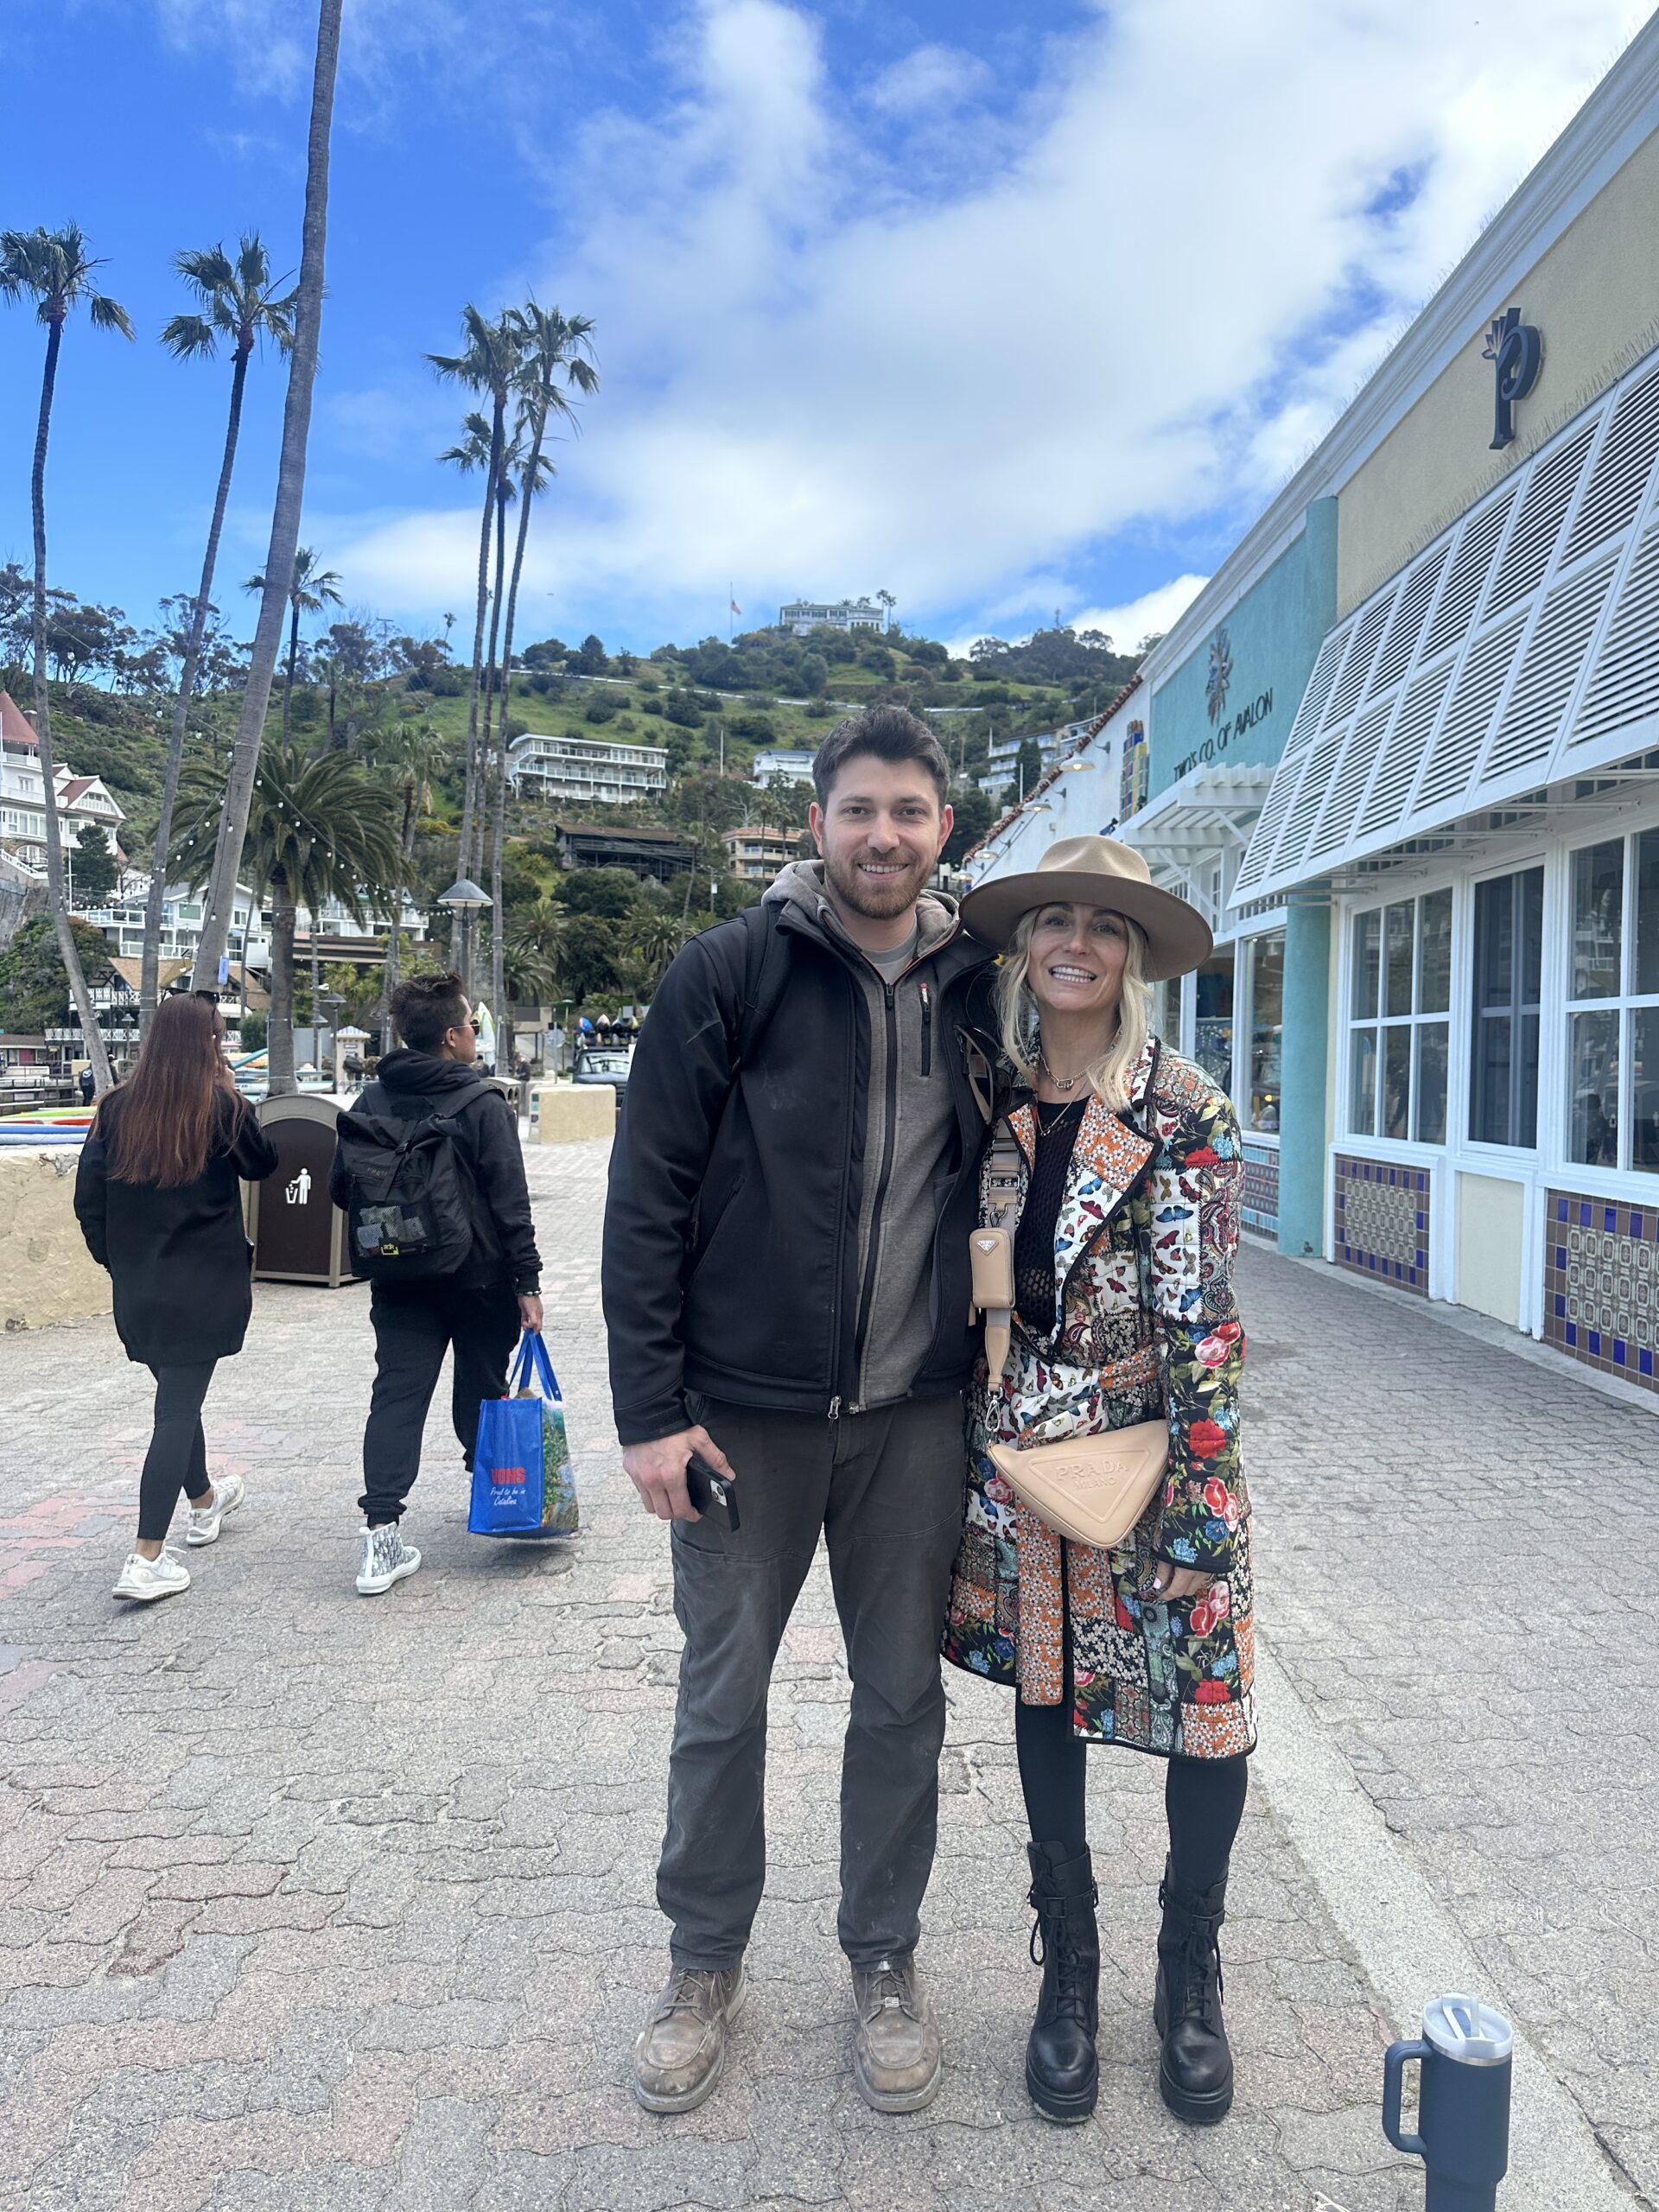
1273,635
1306,1044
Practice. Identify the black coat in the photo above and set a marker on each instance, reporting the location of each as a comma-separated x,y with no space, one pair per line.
179,1259
412,1085
764,1161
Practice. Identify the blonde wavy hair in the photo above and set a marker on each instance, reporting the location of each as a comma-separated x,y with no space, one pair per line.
1017,1019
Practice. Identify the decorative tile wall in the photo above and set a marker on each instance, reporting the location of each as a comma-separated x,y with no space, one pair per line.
1261,1208
1381,1212
1601,1284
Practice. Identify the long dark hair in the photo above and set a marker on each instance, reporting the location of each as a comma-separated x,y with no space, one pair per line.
162,1121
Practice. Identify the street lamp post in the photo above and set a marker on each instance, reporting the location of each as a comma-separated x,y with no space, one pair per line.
332,1002
469,899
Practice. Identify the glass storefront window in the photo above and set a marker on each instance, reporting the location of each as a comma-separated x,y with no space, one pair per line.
1362,1105
1433,1055
1402,980
1434,981
1594,1073
1597,919
1508,977
1213,1042
1398,936
1266,956
1613,1017
1368,962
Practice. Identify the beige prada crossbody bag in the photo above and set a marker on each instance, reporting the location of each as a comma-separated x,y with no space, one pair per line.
1092,1489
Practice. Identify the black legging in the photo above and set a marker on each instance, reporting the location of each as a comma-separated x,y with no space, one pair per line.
1204,1799
177,1457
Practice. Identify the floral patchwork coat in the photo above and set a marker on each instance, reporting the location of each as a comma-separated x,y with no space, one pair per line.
1147,1325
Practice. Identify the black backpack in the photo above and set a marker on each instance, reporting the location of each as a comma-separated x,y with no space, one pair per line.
408,1205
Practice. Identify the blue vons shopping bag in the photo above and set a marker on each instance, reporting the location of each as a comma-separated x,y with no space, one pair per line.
508,1460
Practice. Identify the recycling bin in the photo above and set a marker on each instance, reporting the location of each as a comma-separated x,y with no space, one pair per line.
297,1231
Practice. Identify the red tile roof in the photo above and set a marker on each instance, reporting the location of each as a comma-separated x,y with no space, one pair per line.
15,728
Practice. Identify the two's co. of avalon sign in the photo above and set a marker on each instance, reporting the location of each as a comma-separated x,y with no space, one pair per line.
1218,683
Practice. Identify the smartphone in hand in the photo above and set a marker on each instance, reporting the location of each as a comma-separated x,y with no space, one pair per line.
712,1493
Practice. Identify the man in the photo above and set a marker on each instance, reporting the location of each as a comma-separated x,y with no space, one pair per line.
481,1307
786,1290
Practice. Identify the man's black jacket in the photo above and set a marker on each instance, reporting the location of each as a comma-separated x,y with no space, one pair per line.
413,1085
731,1229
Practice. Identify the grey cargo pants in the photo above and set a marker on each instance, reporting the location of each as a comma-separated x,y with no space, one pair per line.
887,1489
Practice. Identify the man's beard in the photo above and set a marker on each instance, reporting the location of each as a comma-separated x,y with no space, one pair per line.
877,902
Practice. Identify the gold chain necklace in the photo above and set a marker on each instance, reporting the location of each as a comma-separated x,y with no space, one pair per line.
1060,1083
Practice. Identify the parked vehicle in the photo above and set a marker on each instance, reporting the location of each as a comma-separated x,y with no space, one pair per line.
602,1064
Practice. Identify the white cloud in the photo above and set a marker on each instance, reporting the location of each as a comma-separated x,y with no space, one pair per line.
818,377
928,79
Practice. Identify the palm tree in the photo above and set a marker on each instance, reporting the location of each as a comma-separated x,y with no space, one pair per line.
318,829
415,753
54,269
550,345
487,363
657,937
240,304
311,591
285,514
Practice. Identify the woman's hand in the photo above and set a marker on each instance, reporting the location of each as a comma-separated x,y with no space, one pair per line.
1173,1585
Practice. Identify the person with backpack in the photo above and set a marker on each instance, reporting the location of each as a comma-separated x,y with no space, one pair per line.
158,1194
430,1175
785,1279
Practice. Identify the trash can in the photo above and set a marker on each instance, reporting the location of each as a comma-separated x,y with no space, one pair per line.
298,1232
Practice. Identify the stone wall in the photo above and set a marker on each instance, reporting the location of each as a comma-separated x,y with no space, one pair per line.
46,1272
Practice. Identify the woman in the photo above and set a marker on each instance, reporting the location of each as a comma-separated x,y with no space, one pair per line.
1128,1173
158,1195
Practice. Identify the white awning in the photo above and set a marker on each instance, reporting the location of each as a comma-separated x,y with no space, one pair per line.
1514,658
1205,815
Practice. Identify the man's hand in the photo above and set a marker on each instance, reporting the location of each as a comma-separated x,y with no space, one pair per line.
530,1312
658,1471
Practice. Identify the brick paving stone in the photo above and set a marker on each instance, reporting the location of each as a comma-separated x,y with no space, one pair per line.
327,1903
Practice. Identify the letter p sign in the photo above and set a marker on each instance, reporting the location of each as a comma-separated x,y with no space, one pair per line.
1517,350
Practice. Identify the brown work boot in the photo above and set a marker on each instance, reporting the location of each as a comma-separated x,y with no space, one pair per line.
681,2052
896,2057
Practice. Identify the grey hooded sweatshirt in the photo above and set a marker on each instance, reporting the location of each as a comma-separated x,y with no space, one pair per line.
910,1135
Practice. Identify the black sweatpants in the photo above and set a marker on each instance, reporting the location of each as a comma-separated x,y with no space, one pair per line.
177,1457
415,1324
885,1489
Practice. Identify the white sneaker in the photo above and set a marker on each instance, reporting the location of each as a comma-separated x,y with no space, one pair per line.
229,1490
386,1558
145,1578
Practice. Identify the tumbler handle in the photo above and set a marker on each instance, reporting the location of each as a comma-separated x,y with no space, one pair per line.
1396,2060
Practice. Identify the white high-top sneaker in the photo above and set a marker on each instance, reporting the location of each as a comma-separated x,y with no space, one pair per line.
229,1490
145,1578
386,1558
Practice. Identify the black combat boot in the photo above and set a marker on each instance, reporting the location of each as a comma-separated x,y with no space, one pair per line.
1196,2070
1062,2073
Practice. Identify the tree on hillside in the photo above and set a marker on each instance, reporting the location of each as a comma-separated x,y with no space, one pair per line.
237,302
317,829
34,988
553,361
487,363
285,513
310,589
54,269
94,869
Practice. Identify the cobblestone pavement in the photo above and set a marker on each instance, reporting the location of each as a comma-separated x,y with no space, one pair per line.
313,1900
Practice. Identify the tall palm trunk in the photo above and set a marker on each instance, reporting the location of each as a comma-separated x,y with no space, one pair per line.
469,798
406,851
279,1031
498,970
316,995
288,673
491,676
55,888
285,516
149,970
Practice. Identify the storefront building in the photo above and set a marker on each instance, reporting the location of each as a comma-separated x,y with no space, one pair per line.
1470,791
1403,752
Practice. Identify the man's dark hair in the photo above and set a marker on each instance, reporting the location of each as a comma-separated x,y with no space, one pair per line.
888,733
425,1006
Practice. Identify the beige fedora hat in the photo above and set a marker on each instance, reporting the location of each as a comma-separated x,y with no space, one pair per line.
1095,872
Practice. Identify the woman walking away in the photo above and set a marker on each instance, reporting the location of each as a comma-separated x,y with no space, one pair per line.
160,1206
1120,1163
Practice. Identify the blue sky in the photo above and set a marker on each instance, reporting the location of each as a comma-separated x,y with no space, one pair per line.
1007,311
